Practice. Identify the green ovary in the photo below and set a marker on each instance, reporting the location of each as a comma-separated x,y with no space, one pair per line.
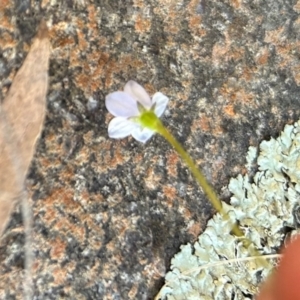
149,120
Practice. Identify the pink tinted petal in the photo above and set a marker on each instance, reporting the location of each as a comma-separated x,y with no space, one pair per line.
142,135
138,93
121,104
161,102
120,127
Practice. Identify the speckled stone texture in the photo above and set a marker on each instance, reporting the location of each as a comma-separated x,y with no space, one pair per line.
109,214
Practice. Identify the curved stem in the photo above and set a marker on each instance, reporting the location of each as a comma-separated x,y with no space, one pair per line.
208,190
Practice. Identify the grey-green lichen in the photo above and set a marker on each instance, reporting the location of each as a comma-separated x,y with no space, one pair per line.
265,208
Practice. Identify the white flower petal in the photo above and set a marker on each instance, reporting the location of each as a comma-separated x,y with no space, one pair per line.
120,127
142,134
138,93
161,102
121,104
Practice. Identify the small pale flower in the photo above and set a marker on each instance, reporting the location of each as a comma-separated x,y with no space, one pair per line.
129,107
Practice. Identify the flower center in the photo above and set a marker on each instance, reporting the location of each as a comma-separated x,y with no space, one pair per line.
149,120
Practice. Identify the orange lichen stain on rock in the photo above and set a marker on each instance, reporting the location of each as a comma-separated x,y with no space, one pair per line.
142,24
263,56
172,160
66,174
195,26
83,156
118,158
192,6
296,73
170,14
92,223
143,261
6,22
296,7
182,96
111,246
52,144
171,24
218,164
64,42
67,201
138,159
247,73
82,42
118,37
290,58
172,29
202,123
63,197
58,249
89,138
122,65
285,51
60,275
36,265
138,3
276,36
217,129
107,270
236,3
101,58
44,3
185,212
226,51
236,54
26,47
64,225
219,51
59,36
245,97
5,4
151,179
229,110
102,157
236,94
7,41
85,198
51,215
93,20
96,243
120,225
129,60
133,291
74,57
150,89
169,192
195,19
297,24
82,80
99,70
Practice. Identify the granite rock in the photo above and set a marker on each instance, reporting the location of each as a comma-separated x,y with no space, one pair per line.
109,215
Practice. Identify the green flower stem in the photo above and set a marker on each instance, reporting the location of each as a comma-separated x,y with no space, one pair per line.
150,120
208,190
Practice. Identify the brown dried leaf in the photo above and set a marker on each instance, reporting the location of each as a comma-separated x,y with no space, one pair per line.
21,120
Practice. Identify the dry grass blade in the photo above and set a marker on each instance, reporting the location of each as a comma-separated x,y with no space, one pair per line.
21,119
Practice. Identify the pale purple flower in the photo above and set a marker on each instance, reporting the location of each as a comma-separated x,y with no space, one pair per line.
124,106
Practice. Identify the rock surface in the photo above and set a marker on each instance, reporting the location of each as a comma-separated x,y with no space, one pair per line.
109,215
